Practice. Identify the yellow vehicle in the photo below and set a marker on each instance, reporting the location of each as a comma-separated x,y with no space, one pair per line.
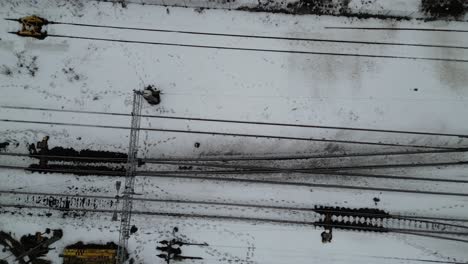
90,254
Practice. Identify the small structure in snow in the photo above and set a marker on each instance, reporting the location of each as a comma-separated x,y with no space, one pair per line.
171,250
327,234
41,149
152,95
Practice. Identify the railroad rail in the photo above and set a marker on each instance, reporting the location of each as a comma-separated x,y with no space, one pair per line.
356,219
453,236
184,175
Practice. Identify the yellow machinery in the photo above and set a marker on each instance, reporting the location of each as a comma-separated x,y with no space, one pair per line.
31,27
90,254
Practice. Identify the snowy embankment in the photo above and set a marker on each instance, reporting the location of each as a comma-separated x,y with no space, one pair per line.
333,90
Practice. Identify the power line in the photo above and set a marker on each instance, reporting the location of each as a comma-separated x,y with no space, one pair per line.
260,50
240,180
244,122
259,36
230,134
401,29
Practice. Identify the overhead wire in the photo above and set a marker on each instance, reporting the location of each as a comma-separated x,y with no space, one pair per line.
257,36
229,134
242,122
260,49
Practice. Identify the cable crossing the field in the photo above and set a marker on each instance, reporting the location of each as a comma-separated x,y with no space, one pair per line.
243,122
32,27
232,134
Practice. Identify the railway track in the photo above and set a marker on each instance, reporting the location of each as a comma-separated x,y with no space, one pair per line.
232,168
453,236
351,219
249,158
194,176
115,171
299,184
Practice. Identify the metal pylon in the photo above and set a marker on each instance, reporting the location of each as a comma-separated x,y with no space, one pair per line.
128,192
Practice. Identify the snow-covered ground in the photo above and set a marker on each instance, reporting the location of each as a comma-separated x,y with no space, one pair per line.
381,93
395,8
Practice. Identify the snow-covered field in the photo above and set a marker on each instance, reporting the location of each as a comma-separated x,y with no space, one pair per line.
330,90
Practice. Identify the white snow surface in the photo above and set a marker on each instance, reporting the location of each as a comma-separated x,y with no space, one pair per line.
381,93
395,8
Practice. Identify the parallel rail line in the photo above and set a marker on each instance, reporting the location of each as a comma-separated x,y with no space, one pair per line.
248,205
181,175
416,232
248,169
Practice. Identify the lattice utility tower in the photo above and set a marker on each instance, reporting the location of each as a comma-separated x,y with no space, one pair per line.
128,192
